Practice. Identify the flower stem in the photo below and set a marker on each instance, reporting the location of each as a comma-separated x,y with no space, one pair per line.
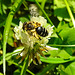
70,13
25,65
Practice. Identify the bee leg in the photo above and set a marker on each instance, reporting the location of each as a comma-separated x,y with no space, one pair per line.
36,36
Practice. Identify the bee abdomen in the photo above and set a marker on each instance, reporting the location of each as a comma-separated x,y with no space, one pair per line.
42,31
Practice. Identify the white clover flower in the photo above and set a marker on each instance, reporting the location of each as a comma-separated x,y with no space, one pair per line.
32,45
39,19
18,30
33,10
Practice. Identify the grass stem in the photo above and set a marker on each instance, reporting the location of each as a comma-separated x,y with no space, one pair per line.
70,13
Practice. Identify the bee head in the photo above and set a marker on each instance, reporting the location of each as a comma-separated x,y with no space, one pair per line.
28,26
24,24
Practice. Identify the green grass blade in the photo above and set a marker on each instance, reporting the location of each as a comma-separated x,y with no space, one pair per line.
70,13
25,65
61,45
42,5
5,36
6,30
1,7
44,12
25,4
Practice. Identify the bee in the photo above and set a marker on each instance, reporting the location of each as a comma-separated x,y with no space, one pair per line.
34,28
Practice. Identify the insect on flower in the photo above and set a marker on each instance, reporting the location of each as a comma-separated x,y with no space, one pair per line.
32,41
35,29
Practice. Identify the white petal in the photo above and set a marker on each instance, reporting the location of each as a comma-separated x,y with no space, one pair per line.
23,52
39,19
20,25
51,48
18,50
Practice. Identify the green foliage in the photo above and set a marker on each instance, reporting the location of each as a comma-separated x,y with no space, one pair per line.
60,9
17,72
57,62
10,40
1,74
70,69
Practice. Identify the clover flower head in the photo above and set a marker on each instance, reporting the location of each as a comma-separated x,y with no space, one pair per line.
33,10
33,46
